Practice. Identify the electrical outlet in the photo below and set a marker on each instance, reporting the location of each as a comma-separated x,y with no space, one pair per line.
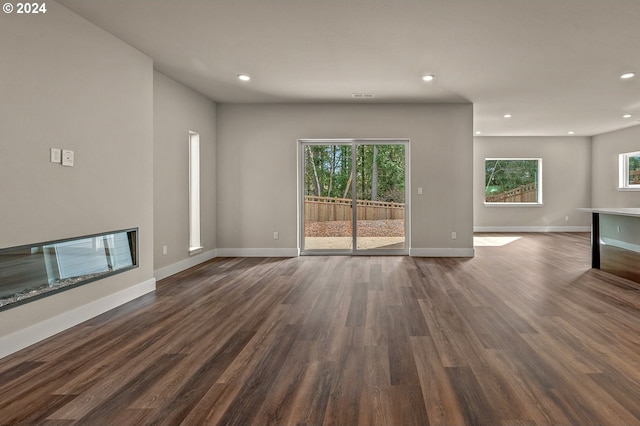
618,228
67,157
566,218
165,250
276,235
454,235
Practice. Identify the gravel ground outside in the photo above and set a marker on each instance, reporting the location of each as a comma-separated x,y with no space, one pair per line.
366,228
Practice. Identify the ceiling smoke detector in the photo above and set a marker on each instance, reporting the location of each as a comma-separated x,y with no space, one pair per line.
362,95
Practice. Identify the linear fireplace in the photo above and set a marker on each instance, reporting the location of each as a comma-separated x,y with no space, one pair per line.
36,270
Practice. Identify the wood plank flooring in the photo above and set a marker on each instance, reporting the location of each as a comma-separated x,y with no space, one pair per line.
525,333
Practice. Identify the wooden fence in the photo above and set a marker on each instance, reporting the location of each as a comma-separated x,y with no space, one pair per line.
326,209
634,177
523,194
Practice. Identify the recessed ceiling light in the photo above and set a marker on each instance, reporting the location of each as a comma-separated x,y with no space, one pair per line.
478,132
570,132
428,77
626,116
508,116
627,75
243,77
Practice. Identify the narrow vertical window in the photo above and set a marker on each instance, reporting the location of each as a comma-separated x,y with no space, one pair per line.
194,193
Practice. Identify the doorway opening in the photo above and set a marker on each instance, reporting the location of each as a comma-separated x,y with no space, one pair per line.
354,196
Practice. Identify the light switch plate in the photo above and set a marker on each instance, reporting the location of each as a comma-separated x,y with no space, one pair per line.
67,158
55,155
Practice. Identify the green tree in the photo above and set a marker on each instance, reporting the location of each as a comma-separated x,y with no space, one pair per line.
504,175
328,171
634,165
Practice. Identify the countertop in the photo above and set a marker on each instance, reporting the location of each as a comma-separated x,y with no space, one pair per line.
620,211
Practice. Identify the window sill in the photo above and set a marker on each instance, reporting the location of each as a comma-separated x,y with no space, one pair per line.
513,204
628,189
195,250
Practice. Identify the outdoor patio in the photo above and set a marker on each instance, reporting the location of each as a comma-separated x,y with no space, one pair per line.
372,234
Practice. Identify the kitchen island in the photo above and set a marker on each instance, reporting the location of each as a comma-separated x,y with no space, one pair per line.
615,241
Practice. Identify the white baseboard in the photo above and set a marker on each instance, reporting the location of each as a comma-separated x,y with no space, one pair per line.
531,229
442,252
190,262
28,336
620,244
258,252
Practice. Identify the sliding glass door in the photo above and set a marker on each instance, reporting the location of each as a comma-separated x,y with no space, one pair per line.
353,196
328,204
380,197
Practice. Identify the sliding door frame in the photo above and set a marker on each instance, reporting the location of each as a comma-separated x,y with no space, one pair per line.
355,143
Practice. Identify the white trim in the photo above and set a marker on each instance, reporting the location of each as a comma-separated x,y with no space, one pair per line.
620,244
33,334
407,194
492,205
257,252
442,252
531,229
623,172
194,192
346,141
174,268
538,203
195,250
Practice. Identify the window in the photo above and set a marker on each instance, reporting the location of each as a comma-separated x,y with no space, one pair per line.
194,193
513,181
629,171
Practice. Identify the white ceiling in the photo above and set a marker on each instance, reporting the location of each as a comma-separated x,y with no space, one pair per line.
553,64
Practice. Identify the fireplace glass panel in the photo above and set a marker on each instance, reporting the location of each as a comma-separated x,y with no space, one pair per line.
33,271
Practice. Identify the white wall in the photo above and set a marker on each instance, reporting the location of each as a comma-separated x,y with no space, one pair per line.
67,84
606,148
566,184
257,163
176,111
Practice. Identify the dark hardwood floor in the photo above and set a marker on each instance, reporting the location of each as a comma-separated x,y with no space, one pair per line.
524,333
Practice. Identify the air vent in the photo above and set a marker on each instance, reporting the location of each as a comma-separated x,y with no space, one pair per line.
362,95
